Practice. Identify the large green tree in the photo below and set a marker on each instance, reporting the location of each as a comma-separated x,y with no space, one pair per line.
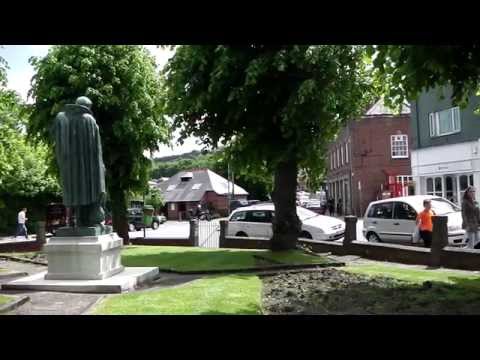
124,85
403,71
24,176
275,108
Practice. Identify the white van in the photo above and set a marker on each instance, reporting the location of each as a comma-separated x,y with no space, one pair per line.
393,220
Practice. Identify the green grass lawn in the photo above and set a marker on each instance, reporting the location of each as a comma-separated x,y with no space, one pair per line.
413,275
232,294
179,258
5,299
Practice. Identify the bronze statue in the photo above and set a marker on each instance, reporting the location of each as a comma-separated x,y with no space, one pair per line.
79,156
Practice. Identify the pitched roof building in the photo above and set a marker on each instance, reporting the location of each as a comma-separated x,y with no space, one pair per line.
185,190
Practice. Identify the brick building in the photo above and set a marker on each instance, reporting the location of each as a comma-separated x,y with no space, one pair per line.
185,190
370,160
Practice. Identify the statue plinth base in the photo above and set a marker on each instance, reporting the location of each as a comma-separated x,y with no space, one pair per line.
83,257
83,231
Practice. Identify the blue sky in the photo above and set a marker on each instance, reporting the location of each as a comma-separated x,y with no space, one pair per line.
20,73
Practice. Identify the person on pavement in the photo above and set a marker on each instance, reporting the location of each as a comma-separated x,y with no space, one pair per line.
21,219
425,223
470,217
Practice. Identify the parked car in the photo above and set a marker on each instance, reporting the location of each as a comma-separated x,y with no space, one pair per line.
235,204
394,220
256,221
315,206
140,218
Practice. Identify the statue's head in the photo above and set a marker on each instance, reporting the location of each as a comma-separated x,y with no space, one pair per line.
84,101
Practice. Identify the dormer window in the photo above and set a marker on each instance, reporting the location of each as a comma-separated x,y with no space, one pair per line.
186,177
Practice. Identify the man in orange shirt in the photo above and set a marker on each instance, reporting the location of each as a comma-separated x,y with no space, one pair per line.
425,223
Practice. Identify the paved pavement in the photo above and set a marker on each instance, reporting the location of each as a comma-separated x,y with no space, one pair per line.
181,230
167,230
13,239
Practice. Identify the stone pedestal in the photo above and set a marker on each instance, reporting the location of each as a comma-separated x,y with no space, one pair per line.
83,257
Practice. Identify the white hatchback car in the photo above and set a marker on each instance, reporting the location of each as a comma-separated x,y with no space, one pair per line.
256,221
393,220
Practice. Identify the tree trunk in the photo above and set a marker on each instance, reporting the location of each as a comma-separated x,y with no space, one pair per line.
119,215
286,225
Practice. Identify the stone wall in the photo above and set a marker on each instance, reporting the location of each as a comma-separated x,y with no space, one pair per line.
440,255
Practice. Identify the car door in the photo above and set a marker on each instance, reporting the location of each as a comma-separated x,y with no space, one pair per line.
258,223
237,223
379,220
404,217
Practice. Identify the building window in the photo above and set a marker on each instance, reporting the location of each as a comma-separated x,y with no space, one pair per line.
338,157
444,122
172,206
341,154
346,153
434,186
399,146
331,160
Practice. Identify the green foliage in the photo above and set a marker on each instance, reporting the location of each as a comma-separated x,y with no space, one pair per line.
402,72
123,83
23,166
267,103
154,198
125,89
24,176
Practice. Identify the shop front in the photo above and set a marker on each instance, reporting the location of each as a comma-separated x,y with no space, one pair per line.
446,171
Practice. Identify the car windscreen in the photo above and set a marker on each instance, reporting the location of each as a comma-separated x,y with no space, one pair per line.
442,206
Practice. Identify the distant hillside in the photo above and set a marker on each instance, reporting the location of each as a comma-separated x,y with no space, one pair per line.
191,155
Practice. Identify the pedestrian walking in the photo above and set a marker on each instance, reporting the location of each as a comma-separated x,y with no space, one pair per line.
425,223
331,206
470,217
339,207
21,220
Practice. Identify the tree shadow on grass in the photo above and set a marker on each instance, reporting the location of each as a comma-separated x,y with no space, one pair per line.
381,295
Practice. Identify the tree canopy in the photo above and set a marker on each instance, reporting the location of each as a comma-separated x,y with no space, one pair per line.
123,83
23,165
275,108
402,71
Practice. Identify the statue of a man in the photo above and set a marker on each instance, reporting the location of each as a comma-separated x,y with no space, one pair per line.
79,156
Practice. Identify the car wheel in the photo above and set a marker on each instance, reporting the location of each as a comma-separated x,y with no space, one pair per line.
131,227
373,238
155,225
306,235
241,234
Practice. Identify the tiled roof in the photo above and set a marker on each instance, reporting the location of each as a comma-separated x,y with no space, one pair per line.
175,190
